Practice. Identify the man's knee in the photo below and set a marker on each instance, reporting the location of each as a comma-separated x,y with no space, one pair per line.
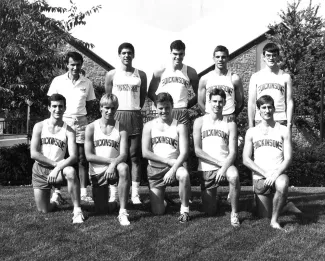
70,173
282,183
123,171
233,176
183,175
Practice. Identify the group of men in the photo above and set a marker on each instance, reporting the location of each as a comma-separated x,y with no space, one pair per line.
112,144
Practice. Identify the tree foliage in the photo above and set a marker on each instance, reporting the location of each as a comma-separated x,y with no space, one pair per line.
28,49
300,37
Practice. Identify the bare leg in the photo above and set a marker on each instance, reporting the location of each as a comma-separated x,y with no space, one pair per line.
134,151
183,177
73,185
123,184
42,200
279,200
82,170
234,187
157,200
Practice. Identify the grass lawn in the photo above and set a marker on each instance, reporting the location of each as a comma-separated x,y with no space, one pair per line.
27,235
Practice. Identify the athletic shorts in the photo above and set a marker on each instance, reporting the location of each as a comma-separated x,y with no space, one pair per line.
156,177
181,115
39,176
78,124
131,120
208,179
99,180
260,189
282,122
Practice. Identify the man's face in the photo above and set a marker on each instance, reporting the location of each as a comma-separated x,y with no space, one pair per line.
108,110
74,67
164,110
267,111
216,103
220,59
177,56
126,56
57,109
270,59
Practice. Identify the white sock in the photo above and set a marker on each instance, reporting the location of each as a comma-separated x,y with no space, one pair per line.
113,191
122,210
76,210
135,188
184,209
83,191
58,191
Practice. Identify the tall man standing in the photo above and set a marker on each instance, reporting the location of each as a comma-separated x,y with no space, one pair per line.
222,78
176,80
79,92
215,143
270,143
274,82
130,86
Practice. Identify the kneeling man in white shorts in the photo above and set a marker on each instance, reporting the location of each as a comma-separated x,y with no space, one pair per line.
165,145
106,150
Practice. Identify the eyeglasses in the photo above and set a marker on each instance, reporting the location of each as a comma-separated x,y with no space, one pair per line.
273,55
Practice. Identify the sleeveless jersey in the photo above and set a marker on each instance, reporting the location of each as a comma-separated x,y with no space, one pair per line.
176,83
127,90
273,85
107,146
215,141
53,146
268,148
164,143
221,82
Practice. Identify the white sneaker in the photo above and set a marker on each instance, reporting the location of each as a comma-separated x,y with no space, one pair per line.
86,198
136,200
123,219
234,219
58,199
78,218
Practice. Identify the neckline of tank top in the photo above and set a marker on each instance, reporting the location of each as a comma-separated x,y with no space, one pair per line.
107,125
48,126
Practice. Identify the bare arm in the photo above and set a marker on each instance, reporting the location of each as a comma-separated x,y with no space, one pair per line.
239,93
248,154
201,97
90,148
35,147
194,80
143,88
109,81
251,106
153,86
290,104
198,144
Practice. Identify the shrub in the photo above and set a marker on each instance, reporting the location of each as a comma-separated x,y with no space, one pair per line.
15,165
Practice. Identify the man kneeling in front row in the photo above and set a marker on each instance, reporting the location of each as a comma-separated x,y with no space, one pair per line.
215,143
270,144
106,150
165,145
49,143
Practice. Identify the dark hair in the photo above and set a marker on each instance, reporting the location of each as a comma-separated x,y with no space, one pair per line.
221,48
263,100
56,97
216,91
272,48
165,97
75,56
125,46
177,45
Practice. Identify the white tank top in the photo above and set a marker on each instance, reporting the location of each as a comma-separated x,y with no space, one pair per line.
107,146
176,83
215,141
164,143
268,148
53,146
221,82
127,90
273,85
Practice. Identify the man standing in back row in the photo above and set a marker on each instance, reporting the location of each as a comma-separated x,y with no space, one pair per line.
79,93
274,82
176,80
130,86
224,79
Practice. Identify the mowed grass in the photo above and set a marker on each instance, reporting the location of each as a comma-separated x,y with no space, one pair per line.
26,234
